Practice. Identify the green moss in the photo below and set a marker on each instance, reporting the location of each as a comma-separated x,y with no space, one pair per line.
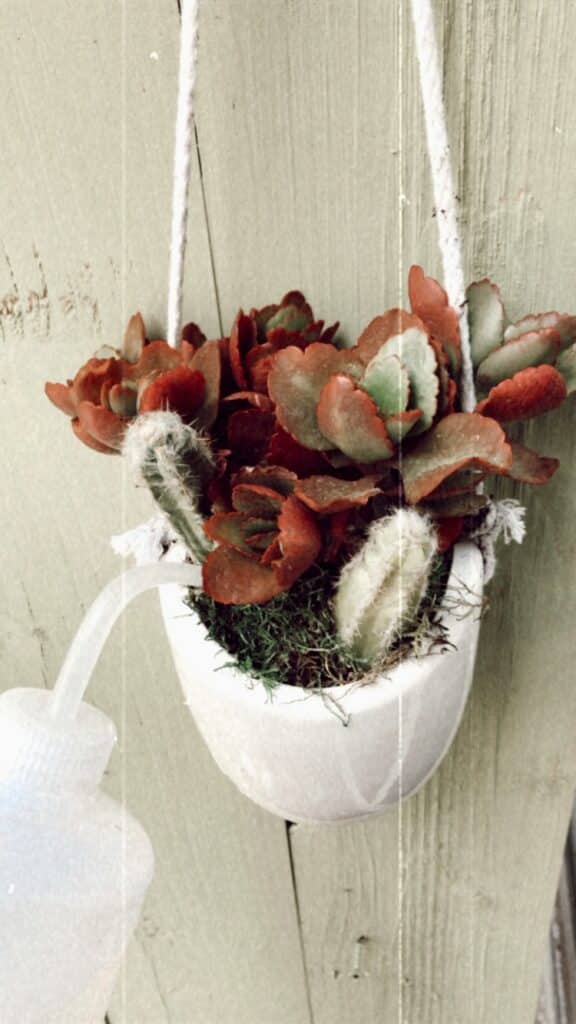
292,639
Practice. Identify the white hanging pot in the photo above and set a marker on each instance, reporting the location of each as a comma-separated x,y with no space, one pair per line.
292,754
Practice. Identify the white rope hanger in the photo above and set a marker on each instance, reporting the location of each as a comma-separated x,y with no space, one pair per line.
438,153
182,166
445,198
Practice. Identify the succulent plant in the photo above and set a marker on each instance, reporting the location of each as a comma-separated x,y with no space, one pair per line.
525,368
363,401
271,534
108,393
381,588
274,449
256,337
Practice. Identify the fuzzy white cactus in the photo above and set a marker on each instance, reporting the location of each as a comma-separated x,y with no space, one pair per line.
174,461
382,587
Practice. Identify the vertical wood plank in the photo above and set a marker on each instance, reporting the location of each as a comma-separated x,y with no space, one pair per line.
308,158
86,137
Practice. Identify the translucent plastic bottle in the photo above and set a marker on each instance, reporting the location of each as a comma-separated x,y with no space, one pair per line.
74,865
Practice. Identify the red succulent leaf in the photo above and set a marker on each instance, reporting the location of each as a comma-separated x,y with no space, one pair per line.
235,529
134,339
91,442
61,396
296,298
430,302
255,398
531,392
260,542
300,542
232,578
243,336
394,322
349,418
258,362
207,362
336,535
103,426
279,337
530,349
156,356
329,333
328,494
528,467
449,393
87,384
448,531
256,500
249,433
275,477
295,383
272,553
192,335
285,451
181,390
262,316
448,390
458,441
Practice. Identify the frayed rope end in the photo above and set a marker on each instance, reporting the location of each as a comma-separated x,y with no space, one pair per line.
505,519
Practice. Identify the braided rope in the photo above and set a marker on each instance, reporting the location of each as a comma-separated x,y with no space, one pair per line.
445,197
182,166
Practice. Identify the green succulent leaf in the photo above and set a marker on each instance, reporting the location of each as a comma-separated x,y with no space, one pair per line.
348,417
400,424
295,384
563,323
386,380
291,318
529,467
459,505
486,319
531,349
415,352
566,365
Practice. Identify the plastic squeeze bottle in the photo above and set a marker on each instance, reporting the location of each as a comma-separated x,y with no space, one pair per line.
74,864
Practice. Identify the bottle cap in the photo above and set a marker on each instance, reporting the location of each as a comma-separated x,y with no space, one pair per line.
48,753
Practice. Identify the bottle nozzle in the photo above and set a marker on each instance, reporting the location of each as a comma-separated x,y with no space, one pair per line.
95,628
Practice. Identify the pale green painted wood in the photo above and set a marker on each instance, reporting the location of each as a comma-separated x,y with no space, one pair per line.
86,138
304,161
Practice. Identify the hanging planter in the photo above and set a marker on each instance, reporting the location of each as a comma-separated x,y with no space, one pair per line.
348,752
328,494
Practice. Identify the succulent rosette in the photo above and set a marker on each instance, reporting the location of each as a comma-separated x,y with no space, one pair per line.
525,368
255,339
275,531
108,393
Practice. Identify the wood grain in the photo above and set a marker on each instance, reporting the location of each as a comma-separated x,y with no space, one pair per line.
312,145
314,176
86,138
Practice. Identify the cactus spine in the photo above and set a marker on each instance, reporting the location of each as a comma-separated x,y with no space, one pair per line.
381,588
175,462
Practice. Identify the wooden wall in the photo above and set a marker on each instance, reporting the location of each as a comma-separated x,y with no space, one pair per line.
314,175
